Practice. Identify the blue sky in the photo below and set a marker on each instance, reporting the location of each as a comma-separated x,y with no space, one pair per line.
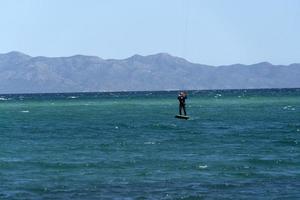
214,32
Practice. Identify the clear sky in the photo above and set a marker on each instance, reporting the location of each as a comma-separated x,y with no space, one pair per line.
214,32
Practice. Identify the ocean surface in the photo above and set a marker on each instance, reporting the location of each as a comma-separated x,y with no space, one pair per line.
237,144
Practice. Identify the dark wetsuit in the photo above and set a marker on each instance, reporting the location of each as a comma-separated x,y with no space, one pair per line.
181,100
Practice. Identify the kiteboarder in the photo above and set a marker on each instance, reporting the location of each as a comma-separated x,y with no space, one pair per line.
181,98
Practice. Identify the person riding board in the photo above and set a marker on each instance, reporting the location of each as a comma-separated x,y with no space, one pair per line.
181,98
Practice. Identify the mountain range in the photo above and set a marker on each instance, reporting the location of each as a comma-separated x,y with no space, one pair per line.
21,73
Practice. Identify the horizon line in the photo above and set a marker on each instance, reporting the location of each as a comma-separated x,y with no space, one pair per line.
138,91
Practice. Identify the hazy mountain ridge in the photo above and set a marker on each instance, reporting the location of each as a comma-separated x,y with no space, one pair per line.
20,73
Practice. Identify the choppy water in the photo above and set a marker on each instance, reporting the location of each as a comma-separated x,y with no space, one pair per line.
238,144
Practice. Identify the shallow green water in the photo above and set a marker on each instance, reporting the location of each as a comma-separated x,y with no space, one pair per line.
238,144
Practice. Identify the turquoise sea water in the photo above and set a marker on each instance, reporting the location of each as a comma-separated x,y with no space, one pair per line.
238,144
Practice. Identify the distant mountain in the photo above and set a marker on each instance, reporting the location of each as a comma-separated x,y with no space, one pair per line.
20,73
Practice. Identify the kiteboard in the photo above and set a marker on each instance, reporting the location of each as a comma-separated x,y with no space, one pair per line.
182,116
